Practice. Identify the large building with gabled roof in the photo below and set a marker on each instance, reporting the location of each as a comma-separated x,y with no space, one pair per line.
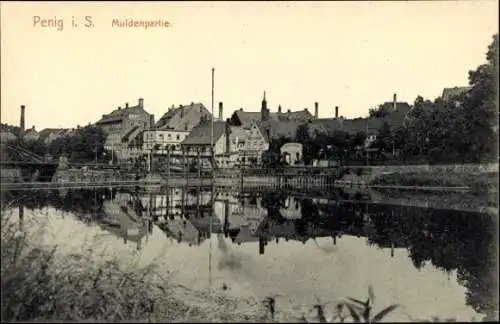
121,123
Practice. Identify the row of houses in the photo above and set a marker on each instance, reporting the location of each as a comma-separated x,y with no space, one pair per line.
187,129
47,135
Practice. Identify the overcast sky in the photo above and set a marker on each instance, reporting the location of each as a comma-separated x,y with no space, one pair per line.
354,55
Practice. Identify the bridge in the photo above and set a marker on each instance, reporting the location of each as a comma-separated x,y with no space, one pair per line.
31,167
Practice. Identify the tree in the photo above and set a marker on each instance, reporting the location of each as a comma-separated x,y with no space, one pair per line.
384,140
461,130
357,140
378,112
303,136
86,144
480,106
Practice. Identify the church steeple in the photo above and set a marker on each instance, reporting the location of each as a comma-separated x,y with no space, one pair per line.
264,112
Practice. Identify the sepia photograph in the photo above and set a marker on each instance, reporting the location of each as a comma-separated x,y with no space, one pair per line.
249,161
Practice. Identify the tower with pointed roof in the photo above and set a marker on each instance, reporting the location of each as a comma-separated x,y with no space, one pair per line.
264,112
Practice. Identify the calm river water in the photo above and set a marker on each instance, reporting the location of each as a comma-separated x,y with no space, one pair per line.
432,262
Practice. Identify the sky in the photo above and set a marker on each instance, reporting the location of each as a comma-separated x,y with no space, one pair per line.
354,55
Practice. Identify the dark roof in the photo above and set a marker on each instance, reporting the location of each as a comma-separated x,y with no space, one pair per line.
125,138
246,116
242,131
120,113
137,140
400,106
182,116
369,125
285,128
279,124
200,135
31,130
449,93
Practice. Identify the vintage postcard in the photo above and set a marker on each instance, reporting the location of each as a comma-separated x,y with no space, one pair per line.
246,161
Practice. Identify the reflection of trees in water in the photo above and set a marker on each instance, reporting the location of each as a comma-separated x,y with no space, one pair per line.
77,201
450,240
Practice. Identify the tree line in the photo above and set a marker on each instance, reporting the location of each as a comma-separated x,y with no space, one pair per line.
85,144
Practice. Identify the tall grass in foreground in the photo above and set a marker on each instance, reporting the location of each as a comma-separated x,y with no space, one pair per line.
351,310
36,286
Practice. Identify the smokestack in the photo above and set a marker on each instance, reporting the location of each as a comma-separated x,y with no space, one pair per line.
279,109
336,111
394,101
315,110
228,132
141,103
151,121
21,124
220,110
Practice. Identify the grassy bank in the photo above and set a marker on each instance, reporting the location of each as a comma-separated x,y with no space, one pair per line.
481,183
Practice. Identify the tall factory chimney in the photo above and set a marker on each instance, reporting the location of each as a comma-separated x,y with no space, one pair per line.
220,110
21,124
336,111
315,110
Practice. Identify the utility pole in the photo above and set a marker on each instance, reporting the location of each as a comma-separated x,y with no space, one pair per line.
213,188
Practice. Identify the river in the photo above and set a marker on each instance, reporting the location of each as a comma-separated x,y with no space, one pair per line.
434,262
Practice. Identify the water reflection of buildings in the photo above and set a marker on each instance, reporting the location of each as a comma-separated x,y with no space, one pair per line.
124,217
291,208
182,213
448,239
190,214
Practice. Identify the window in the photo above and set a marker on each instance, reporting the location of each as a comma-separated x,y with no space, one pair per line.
178,137
169,136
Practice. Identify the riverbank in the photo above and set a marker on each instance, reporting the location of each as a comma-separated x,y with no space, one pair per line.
478,183
478,179
459,201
